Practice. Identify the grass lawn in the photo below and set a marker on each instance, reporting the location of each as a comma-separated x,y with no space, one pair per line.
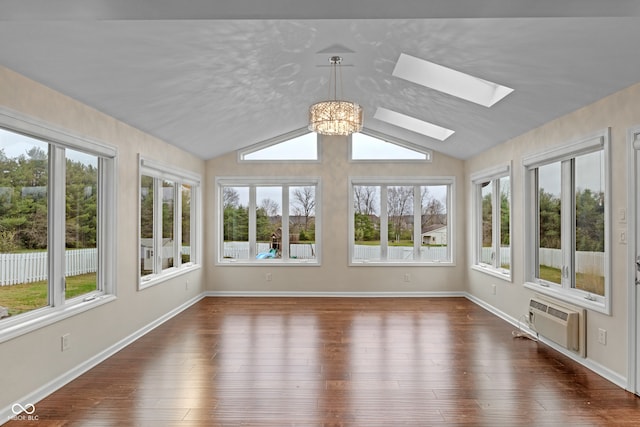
587,282
30,296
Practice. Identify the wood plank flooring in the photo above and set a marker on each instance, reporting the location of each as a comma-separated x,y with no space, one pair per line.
337,362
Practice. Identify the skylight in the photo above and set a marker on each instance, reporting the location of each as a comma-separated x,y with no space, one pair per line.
449,81
413,124
303,147
367,147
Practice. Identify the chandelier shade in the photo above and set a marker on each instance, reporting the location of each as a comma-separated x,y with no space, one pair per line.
335,117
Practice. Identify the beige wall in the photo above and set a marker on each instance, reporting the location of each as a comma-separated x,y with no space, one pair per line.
32,360
334,275
619,111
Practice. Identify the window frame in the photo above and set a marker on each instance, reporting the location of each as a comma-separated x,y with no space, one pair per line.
252,183
58,140
492,175
159,172
597,141
394,141
449,181
275,141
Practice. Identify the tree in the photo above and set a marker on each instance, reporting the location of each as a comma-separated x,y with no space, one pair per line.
487,220
400,203
433,210
270,207
505,216
304,203
364,228
589,221
365,199
230,197
549,219
236,224
146,207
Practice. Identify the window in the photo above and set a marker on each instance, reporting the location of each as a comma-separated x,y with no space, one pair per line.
57,204
271,220
299,145
567,204
381,148
401,220
492,221
169,224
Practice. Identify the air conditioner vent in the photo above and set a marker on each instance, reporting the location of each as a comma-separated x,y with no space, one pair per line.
538,305
558,313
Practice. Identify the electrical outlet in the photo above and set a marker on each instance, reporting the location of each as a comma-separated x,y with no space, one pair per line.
622,236
602,336
493,289
186,285
267,277
65,343
407,278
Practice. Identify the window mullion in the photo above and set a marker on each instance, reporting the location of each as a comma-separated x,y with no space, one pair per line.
567,234
56,221
157,226
478,223
496,222
284,239
417,222
177,224
252,222
384,223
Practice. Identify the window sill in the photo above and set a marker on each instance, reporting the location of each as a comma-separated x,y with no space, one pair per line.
29,322
268,262
574,297
155,279
401,264
500,274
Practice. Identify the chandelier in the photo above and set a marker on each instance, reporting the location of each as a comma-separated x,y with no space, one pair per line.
335,117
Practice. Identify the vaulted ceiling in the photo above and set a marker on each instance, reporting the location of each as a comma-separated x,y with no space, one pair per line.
212,77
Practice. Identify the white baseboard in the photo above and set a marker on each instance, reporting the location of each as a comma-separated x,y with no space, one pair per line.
603,371
34,397
285,294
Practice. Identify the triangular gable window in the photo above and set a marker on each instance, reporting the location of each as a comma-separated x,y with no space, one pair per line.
298,148
367,147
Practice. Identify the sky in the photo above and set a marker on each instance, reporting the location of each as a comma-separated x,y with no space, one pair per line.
589,174
15,144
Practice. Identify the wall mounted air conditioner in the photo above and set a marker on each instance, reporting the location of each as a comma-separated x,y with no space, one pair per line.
559,322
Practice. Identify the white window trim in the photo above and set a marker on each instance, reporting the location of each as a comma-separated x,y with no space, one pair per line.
492,174
395,141
259,181
275,141
599,140
163,171
408,181
59,308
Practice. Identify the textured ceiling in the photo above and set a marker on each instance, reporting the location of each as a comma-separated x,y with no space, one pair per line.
211,86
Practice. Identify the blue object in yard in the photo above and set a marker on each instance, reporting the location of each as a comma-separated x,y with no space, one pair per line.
264,255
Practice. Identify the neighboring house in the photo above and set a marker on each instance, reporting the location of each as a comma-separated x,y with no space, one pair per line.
435,235
146,252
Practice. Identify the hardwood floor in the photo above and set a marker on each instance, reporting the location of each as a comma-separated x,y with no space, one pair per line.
337,362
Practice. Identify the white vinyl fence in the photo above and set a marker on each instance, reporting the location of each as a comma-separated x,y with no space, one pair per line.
586,262
31,267
240,250
397,253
